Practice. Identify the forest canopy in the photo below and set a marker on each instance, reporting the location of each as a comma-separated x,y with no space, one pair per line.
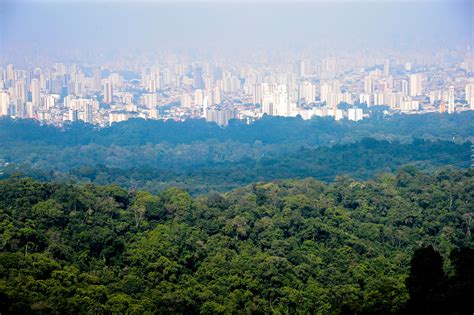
287,246
201,157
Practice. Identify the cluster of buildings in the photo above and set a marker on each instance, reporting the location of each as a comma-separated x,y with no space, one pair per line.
343,87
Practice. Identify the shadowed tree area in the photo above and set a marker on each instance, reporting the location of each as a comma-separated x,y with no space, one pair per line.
434,292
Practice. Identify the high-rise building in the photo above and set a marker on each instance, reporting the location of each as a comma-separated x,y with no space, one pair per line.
198,81
20,91
324,93
4,103
275,101
451,100
73,115
221,116
355,114
386,68
409,105
149,100
405,88
470,95
10,75
108,92
365,98
186,100
96,78
29,110
205,103
216,95
301,68
415,84
89,114
368,85
48,101
35,89
198,97
307,92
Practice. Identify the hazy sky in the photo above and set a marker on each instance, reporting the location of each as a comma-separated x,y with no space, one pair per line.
60,26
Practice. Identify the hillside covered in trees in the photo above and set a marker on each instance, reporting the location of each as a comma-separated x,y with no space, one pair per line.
201,158
287,246
269,130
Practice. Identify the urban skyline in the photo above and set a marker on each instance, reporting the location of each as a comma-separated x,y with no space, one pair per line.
107,61
172,86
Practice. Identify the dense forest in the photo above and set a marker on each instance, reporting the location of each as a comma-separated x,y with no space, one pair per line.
201,157
282,216
269,130
398,243
141,169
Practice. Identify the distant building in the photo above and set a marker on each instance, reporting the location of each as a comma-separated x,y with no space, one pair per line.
470,95
221,116
89,114
338,114
451,108
108,92
355,114
415,84
409,105
186,100
73,115
35,92
275,100
386,68
307,92
4,104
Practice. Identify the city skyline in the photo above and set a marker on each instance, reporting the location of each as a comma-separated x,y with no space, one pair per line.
172,87
108,61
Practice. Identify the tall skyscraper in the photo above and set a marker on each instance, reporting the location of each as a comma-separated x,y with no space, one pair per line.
185,100
108,92
415,84
96,78
198,97
20,91
326,89
73,115
29,110
451,100
10,75
368,85
198,81
88,113
4,103
216,95
275,100
301,68
386,68
149,100
35,92
405,88
470,95
307,92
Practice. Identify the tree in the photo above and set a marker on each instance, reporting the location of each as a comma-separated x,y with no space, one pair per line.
425,282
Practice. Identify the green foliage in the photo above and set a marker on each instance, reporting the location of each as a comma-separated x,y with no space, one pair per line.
288,246
200,157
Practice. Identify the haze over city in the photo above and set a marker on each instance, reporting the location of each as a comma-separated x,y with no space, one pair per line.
236,157
54,28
